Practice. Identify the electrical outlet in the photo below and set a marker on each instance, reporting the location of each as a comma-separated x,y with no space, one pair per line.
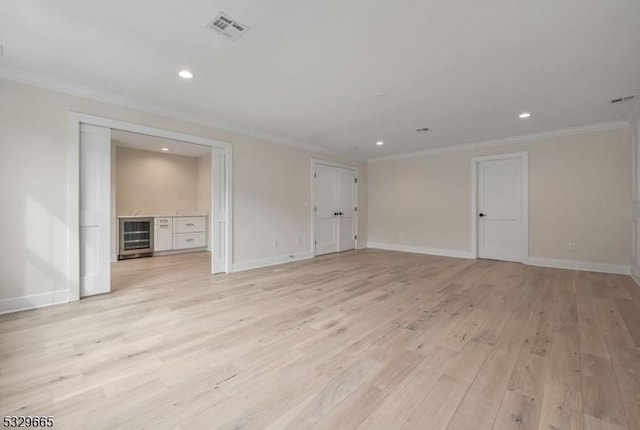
572,246
275,243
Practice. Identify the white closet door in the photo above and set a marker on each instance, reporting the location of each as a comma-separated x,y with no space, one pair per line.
95,209
326,185
346,209
500,209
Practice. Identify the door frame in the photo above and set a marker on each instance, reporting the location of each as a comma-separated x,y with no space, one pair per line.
314,163
74,120
524,157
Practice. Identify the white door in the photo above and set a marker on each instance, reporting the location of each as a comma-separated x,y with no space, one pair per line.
500,209
346,209
335,209
95,209
326,210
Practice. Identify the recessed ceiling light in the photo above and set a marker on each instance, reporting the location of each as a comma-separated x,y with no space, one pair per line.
165,149
379,143
185,74
524,115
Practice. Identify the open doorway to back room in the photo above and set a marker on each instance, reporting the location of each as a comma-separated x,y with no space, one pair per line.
160,204
142,194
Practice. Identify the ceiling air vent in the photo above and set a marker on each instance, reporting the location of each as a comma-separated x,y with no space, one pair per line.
226,26
624,99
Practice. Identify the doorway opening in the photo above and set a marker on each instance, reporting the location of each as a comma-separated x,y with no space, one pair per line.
195,217
160,204
500,207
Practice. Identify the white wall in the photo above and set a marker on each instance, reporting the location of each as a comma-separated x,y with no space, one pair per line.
579,189
635,198
271,190
154,183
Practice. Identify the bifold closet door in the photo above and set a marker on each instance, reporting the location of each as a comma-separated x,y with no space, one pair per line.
335,210
346,209
326,178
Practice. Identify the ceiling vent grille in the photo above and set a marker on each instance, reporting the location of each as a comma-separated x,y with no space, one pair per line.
226,26
624,99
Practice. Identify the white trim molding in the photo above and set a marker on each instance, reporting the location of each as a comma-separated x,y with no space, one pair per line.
421,250
617,269
33,301
635,274
524,158
590,128
75,119
112,99
271,261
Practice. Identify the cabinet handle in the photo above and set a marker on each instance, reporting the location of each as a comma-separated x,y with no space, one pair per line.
189,224
189,240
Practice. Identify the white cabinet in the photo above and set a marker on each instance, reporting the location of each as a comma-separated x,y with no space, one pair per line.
192,224
163,230
180,233
189,240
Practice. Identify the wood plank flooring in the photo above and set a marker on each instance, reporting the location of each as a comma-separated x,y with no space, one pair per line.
360,340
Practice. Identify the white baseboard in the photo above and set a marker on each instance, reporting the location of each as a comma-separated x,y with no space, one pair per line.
114,258
271,261
178,251
363,245
617,269
33,301
421,250
635,274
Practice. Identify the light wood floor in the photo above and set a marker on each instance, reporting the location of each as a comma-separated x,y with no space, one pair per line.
363,340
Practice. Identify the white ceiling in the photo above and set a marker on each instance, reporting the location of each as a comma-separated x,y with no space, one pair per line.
309,72
143,142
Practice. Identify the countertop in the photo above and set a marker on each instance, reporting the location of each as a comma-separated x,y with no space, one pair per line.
188,214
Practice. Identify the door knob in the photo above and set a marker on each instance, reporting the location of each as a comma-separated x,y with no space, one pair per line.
481,215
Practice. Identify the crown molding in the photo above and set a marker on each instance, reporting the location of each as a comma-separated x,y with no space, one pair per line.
108,98
104,97
590,128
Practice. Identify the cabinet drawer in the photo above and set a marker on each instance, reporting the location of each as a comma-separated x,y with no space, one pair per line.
189,224
189,240
163,221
